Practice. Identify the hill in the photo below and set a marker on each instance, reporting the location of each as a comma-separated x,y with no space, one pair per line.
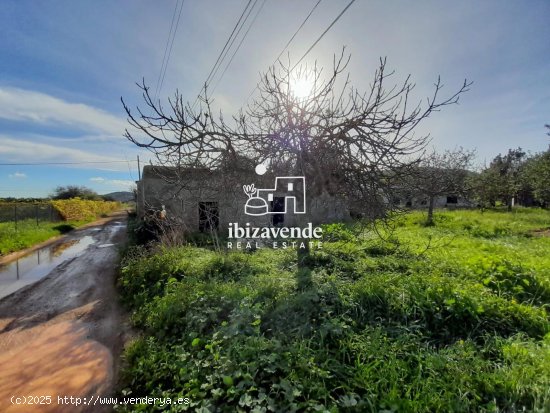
121,196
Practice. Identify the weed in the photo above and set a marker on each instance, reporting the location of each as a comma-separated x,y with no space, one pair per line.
451,317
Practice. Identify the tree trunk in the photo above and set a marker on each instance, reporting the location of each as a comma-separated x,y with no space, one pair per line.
430,220
303,253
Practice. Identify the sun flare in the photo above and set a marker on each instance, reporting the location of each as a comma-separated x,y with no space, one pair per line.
301,87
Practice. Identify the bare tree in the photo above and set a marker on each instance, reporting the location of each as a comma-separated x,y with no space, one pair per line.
441,174
348,144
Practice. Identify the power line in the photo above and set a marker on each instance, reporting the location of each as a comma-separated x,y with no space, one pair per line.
171,45
222,52
288,43
64,163
166,47
18,190
230,39
240,43
323,34
233,40
296,32
129,168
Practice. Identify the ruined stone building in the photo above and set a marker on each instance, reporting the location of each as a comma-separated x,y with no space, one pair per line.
200,199
203,200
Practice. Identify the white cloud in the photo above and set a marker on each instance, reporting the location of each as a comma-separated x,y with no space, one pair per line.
124,184
18,175
27,151
30,106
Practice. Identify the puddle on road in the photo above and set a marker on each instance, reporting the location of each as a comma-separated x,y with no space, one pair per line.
105,245
33,267
118,225
56,359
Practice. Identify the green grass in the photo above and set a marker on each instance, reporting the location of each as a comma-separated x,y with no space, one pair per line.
450,318
28,233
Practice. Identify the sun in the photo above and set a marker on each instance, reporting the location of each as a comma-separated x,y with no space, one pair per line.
301,87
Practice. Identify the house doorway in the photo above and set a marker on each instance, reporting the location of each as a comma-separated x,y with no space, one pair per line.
278,205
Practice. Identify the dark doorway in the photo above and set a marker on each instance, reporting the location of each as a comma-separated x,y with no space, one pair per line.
452,200
209,217
278,205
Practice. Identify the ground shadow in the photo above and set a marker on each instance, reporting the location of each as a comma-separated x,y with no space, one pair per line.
64,228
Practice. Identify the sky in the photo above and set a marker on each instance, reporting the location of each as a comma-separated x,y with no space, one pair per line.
64,65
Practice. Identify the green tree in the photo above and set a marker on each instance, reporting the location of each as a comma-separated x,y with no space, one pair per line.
537,175
502,179
74,191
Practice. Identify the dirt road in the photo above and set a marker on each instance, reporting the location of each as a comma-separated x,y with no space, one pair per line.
61,335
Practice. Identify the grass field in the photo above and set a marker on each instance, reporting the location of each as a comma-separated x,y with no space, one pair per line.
28,233
450,318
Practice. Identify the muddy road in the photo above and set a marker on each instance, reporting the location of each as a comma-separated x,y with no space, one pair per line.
61,328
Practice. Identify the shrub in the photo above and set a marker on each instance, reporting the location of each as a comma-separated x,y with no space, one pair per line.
77,209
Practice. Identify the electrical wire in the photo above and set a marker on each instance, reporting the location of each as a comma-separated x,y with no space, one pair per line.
222,52
166,48
129,169
65,163
296,32
233,40
240,43
171,45
287,44
323,34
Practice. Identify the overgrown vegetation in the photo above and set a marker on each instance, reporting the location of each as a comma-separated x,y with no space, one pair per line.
516,176
75,191
84,209
30,231
449,318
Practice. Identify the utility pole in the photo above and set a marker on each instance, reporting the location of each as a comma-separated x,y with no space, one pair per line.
139,168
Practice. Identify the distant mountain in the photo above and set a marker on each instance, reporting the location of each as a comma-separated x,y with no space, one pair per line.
121,196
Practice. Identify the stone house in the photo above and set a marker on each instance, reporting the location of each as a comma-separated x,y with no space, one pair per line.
447,201
203,200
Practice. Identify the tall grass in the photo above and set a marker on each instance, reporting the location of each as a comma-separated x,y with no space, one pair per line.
27,232
448,318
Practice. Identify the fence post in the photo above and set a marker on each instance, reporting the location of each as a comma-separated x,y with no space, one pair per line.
15,215
36,213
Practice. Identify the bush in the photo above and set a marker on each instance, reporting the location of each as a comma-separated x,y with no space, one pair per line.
77,209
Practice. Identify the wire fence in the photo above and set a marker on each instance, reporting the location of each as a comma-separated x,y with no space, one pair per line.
27,212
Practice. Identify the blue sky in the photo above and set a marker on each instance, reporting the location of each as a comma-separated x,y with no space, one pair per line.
65,64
